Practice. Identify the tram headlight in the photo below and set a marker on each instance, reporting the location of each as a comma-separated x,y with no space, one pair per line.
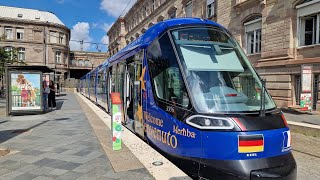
207,122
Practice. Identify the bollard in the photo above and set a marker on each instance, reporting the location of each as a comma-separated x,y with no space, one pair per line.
116,114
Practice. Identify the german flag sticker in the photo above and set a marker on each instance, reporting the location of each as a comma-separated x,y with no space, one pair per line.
250,143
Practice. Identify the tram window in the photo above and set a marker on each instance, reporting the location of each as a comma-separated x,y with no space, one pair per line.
166,76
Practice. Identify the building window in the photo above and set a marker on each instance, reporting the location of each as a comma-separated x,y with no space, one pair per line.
308,23
61,38
87,63
73,62
20,33
154,5
172,14
65,58
58,57
210,8
53,37
21,54
253,36
188,9
145,11
80,63
8,33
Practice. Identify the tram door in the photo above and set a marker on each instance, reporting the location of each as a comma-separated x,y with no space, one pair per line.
137,98
129,100
108,91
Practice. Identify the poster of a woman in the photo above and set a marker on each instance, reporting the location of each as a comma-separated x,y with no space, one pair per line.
25,91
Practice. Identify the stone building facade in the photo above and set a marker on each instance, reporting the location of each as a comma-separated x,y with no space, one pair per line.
38,38
86,59
280,37
145,13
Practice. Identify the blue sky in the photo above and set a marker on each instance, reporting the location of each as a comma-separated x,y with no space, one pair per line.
88,19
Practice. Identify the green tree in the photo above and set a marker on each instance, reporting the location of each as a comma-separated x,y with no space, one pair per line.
6,58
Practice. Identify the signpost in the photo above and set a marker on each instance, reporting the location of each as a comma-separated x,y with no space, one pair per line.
306,85
116,121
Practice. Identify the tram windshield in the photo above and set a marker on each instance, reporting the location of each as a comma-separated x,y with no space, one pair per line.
218,73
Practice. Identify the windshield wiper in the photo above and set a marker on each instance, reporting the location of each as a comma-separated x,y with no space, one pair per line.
263,99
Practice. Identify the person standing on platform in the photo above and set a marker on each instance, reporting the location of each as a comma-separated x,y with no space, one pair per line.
45,92
52,96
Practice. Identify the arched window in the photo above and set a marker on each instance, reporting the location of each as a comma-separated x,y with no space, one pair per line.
80,63
253,26
73,62
160,18
143,30
150,24
87,63
172,12
21,54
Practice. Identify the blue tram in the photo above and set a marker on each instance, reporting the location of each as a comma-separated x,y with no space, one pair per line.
190,91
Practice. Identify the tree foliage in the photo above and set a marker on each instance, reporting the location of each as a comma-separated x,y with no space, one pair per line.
6,58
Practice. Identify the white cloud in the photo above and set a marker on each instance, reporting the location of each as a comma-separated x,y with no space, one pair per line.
107,26
115,7
80,32
105,39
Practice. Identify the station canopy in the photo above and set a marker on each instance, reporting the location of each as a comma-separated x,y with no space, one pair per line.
43,69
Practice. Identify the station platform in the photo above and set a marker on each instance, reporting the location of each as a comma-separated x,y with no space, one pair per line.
74,142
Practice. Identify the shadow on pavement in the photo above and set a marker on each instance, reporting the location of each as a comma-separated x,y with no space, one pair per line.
61,119
61,95
180,178
59,104
295,112
61,99
3,122
8,134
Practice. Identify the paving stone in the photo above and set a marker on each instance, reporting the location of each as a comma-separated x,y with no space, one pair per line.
4,171
11,175
84,168
63,165
25,176
44,161
41,171
43,178
70,175
58,172
28,168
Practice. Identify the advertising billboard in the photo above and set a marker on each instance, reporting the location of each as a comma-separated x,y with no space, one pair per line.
25,91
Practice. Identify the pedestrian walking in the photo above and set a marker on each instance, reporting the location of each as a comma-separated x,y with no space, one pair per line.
52,96
45,92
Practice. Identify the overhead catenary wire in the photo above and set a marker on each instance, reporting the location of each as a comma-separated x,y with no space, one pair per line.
81,42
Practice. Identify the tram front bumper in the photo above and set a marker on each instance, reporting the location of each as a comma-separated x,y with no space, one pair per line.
280,168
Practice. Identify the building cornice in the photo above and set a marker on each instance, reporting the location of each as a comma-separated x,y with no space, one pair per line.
34,23
142,24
